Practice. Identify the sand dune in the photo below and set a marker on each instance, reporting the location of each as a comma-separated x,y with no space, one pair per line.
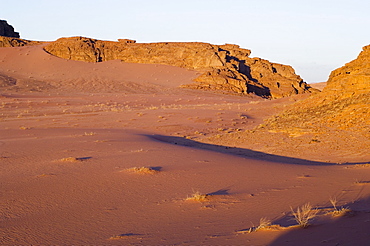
37,70
70,131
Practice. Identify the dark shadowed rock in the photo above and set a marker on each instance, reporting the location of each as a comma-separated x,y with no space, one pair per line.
7,30
10,38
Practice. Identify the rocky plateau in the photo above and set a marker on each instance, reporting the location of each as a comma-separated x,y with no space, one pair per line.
222,67
227,67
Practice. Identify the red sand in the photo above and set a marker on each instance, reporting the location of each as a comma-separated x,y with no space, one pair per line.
113,116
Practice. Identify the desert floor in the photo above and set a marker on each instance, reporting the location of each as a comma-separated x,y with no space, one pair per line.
70,132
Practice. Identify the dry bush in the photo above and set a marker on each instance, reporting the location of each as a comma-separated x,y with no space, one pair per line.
304,214
341,212
122,236
333,201
198,197
143,170
70,159
361,182
338,211
264,225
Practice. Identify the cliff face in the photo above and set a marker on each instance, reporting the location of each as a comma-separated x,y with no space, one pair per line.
7,30
222,67
344,103
353,78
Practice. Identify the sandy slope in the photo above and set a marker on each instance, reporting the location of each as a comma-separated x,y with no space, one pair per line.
38,71
130,115
319,85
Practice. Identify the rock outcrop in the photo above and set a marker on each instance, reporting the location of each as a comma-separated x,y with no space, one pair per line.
343,104
10,38
223,67
7,30
353,78
16,42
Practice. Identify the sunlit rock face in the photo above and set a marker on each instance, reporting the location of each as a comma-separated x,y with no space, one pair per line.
343,103
222,67
16,42
353,78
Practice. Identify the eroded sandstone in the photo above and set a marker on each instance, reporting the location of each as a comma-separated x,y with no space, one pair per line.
16,42
222,67
352,78
344,103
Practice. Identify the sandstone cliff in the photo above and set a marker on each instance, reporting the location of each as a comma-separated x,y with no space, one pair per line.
353,78
343,104
222,67
7,30
16,42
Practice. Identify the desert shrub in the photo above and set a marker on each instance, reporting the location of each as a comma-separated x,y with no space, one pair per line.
198,197
304,214
142,170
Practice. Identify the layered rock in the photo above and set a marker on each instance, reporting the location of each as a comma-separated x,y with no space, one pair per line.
223,67
344,103
7,30
16,42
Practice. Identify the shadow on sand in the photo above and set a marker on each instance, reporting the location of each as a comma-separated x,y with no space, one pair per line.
246,153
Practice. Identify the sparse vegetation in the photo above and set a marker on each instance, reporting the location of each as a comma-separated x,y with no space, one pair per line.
361,182
198,197
137,150
71,159
122,236
338,211
143,170
333,201
341,212
304,214
264,225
